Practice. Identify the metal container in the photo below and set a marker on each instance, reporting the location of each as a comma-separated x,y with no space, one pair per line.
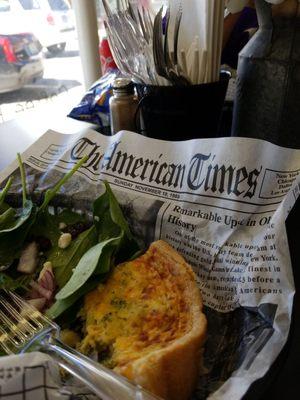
178,113
267,102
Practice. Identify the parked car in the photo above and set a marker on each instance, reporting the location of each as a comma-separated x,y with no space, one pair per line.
52,21
20,61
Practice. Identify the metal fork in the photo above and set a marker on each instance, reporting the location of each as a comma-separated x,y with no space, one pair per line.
174,69
133,52
163,60
22,328
176,39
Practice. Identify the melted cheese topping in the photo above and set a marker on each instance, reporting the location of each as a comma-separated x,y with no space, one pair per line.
140,309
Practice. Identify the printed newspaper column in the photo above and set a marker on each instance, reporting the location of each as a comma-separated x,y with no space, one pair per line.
229,266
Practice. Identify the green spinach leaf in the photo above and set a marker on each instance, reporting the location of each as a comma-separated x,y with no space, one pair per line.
13,236
5,190
23,179
110,222
18,227
108,216
65,260
22,217
69,217
60,306
7,218
115,243
13,231
8,283
46,226
100,254
51,193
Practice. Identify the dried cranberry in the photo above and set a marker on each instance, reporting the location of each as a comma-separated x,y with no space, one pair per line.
76,229
43,243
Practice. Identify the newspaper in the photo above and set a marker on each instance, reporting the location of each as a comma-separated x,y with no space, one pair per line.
35,376
222,203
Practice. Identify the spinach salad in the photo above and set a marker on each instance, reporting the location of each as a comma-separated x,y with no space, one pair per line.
53,259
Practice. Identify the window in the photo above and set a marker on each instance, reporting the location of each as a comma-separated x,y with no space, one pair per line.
4,5
58,5
30,4
34,82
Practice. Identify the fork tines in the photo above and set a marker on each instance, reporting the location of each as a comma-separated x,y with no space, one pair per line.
19,323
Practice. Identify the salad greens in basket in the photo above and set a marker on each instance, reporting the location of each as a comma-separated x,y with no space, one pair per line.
54,258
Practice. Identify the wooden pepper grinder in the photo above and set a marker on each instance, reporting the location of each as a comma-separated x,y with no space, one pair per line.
267,102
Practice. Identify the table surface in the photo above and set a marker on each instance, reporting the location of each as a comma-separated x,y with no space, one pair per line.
18,134
283,380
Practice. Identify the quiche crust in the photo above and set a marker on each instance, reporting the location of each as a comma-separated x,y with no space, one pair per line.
162,350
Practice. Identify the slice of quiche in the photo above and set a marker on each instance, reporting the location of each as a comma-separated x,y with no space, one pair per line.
147,323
